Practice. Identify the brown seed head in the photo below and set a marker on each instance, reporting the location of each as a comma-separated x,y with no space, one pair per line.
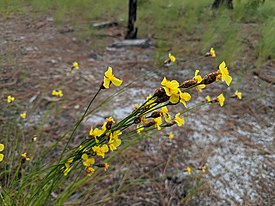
156,114
150,123
188,83
210,78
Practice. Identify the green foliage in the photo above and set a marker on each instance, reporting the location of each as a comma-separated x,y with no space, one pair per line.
266,47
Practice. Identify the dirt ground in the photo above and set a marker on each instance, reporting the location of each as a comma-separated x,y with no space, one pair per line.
236,142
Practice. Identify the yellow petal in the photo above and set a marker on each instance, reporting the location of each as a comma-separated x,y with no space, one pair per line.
197,72
84,156
117,142
222,66
117,82
185,96
164,81
228,80
109,72
2,147
174,99
174,84
1,157
106,82
104,148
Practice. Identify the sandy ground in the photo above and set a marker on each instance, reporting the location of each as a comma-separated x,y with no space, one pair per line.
236,142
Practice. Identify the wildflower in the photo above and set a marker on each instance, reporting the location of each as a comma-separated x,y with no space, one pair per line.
188,170
139,129
67,167
185,97
100,150
96,132
116,134
57,93
224,74
157,123
171,59
10,99
23,115
221,99
24,157
238,94
143,119
114,143
2,147
90,171
198,80
208,99
164,113
179,120
203,168
110,78
212,52
170,87
109,123
74,66
106,166
171,135
87,161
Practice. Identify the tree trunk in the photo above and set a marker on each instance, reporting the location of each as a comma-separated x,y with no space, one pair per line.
132,16
217,3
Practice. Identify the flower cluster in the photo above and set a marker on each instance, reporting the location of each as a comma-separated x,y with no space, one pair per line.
152,114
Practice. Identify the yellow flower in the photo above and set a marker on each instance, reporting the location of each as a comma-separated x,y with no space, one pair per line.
67,167
75,65
57,93
101,150
2,147
144,120
208,99
212,52
157,123
221,99
184,98
203,169
172,58
188,170
90,171
106,166
23,115
114,143
139,129
225,74
171,135
24,156
170,87
10,99
238,94
198,80
87,161
164,113
110,78
179,120
96,132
